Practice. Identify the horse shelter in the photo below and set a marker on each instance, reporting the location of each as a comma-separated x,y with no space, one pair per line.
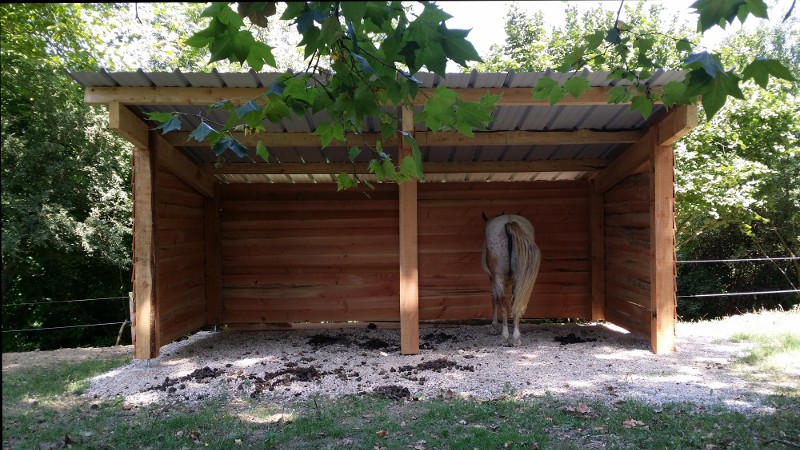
249,244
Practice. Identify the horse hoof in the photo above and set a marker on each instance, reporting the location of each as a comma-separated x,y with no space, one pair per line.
494,331
516,343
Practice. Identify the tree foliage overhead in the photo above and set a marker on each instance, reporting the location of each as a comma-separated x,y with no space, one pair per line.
360,56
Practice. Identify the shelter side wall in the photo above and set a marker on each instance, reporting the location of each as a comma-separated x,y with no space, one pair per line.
627,253
180,268
452,282
307,253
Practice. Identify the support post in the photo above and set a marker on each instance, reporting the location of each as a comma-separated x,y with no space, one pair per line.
598,244
409,273
662,247
144,253
213,263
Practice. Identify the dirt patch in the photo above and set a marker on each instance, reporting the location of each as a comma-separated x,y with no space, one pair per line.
51,358
572,338
605,363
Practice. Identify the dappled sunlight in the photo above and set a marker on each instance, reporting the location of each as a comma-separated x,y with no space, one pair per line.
570,360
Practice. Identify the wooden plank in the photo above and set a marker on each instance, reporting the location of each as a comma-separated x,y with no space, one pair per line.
662,246
426,139
627,163
181,166
681,120
213,267
597,250
201,96
409,265
144,255
428,168
125,123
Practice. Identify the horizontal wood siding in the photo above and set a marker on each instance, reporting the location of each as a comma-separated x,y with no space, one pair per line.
307,253
627,253
180,241
452,282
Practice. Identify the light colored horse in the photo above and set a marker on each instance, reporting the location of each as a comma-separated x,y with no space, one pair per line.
510,255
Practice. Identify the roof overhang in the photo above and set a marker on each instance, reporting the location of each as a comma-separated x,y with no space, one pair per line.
528,139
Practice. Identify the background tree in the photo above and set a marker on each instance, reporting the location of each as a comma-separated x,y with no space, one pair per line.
65,185
635,55
534,46
738,187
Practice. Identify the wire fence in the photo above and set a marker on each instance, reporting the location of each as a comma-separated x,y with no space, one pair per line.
703,261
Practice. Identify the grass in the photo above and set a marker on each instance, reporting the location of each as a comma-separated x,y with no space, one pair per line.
44,409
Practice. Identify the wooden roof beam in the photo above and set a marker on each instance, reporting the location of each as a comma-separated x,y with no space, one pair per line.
597,95
430,139
125,123
679,121
567,165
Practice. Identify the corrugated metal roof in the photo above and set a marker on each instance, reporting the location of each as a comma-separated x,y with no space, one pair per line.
507,118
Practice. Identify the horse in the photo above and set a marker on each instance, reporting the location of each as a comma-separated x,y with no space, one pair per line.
510,254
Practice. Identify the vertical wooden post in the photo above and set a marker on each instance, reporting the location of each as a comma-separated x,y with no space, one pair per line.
409,273
662,250
144,253
213,266
598,244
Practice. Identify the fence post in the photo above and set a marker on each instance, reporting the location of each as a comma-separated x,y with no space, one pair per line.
132,309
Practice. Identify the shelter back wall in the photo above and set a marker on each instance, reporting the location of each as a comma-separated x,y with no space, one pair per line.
295,253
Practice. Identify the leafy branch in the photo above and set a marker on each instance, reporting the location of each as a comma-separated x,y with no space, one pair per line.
367,52
706,79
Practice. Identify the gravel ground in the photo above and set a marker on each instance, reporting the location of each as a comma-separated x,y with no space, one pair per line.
584,361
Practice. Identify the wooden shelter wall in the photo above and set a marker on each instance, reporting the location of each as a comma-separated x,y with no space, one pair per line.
627,253
451,227
307,253
297,253
180,267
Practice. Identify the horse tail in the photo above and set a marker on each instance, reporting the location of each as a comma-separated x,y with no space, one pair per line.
526,268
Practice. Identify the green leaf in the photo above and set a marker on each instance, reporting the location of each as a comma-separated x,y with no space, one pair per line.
327,132
760,70
248,107
345,181
353,152
354,10
159,117
612,36
674,93
457,47
201,132
758,8
375,167
261,151
170,125
548,88
717,90
716,12
643,104
260,53
620,94
707,61
683,45
576,86
276,110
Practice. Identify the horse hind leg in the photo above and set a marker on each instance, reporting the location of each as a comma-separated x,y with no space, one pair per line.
517,341
497,300
506,310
